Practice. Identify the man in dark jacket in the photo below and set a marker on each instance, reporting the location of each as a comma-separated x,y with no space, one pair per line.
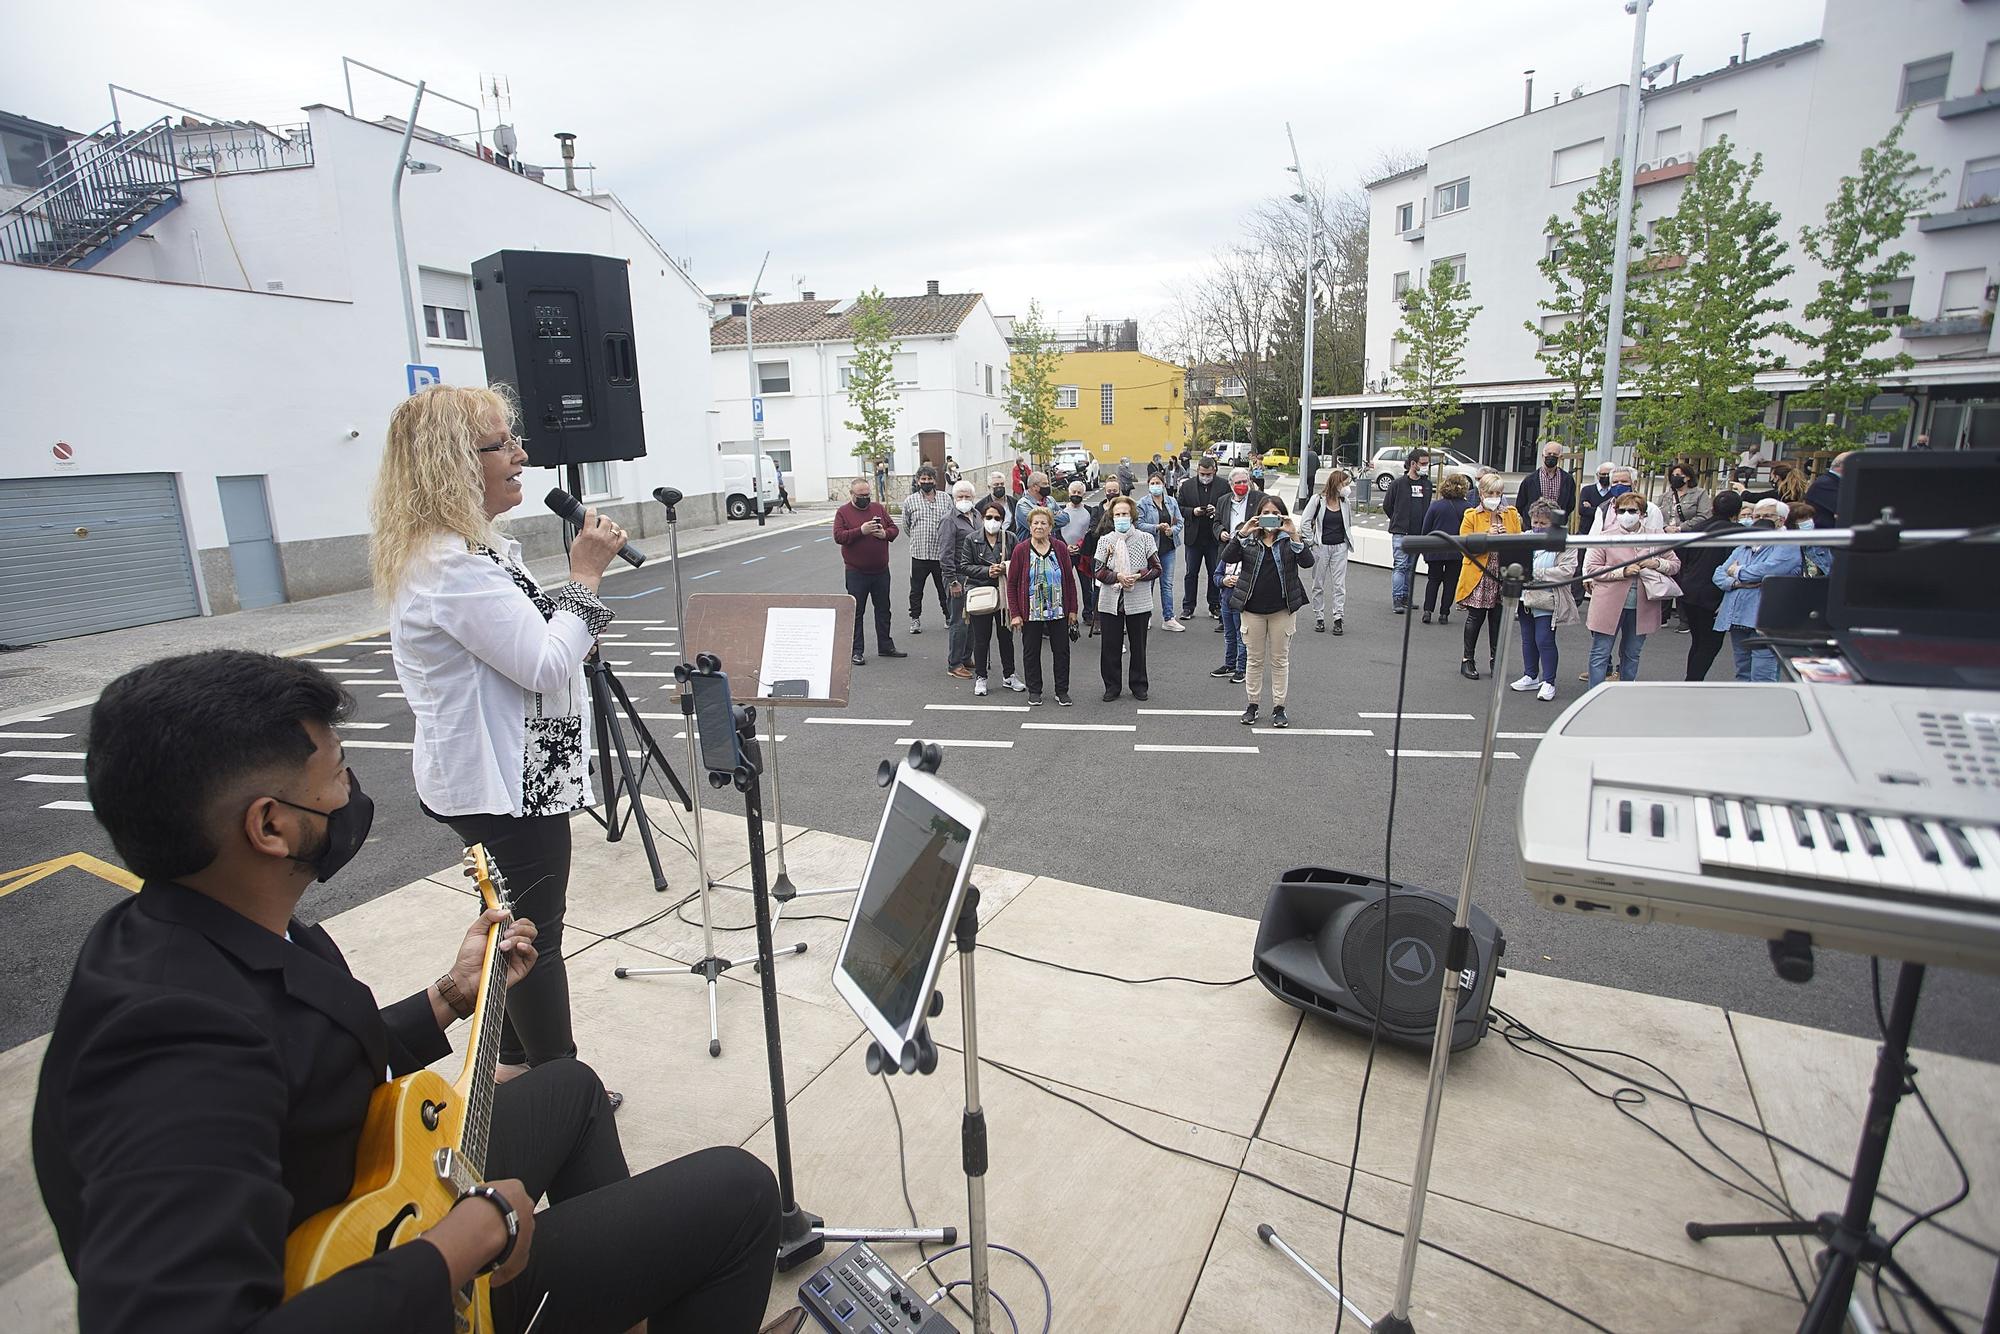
214,1061
863,530
1405,502
1824,493
959,525
1552,483
1203,498
1591,497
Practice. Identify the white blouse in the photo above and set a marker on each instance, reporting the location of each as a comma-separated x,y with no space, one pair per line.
493,670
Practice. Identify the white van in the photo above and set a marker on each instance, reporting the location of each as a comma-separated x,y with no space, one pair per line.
736,471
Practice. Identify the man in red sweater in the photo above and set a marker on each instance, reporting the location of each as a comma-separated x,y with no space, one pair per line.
863,530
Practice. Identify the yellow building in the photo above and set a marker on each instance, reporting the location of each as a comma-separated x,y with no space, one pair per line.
1121,404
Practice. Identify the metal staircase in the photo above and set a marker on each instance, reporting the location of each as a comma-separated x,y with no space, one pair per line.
103,190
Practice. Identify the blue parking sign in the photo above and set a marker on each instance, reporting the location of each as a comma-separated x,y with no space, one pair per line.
756,409
421,377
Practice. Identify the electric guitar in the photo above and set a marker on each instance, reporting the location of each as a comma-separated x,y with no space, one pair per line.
423,1142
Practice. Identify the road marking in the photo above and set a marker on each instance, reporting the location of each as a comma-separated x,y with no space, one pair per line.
662,717
617,662
1520,736
67,806
641,620
355,671
1435,717
650,675
1081,727
1194,713
384,652
789,550
1314,731
1450,754
359,744
364,727
41,754
666,653
612,634
34,736
934,741
323,660
367,643
1204,750
862,722
693,577
390,694
50,778
627,597
645,643
82,861
979,708
822,539
754,559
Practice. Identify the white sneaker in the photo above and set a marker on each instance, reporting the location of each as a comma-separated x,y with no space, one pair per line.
1547,693
1174,626
1525,683
978,685
1015,684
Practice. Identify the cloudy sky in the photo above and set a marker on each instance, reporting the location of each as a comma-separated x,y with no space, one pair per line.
1088,154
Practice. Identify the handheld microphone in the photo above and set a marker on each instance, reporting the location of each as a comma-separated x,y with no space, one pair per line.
565,507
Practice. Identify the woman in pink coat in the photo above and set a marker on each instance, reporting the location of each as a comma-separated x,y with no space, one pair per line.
1623,608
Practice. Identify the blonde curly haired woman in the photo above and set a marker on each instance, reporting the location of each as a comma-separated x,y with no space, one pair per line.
492,667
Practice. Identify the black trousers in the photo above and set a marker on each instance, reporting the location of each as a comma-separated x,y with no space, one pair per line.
861,587
921,570
1056,635
1441,588
1198,555
1704,642
533,852
687,1246
984,630
1129,630
1476,617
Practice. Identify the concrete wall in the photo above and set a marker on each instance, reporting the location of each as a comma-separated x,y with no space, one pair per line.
1147,411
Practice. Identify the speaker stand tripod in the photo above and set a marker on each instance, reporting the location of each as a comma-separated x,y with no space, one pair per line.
1458,956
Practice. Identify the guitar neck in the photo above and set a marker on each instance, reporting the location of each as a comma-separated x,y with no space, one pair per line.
475,1081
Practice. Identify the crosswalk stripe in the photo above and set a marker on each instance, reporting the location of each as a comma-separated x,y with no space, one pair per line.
1313,731
363,727
979,708
390,694
861,722
360,744
326,660
50,778
66,806
1519,736
34,736
1449,754
1194,713
41,754
1204,750
1080,727
935,741
1434,717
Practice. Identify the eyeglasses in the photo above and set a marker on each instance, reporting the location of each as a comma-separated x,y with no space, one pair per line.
511,442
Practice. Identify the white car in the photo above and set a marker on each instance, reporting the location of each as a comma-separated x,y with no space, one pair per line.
1078,461
1389,464
736,488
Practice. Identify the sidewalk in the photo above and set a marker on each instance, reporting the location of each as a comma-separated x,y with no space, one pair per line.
65,672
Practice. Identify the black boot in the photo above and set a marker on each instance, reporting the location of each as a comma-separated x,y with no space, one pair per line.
1427,618
1468,671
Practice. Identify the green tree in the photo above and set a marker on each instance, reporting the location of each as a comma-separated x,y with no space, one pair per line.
1705,304
1435,319
1868,214
871,383
1577,266
1031,389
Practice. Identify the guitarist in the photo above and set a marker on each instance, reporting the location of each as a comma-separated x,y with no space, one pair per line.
204,1089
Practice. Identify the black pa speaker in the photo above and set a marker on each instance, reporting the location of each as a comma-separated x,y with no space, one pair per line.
1319,948
558,328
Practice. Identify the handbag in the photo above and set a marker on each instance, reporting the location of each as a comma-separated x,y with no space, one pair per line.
1539,599
983,600
1657,586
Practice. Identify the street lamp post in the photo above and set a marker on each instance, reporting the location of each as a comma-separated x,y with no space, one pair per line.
1304,199
1621,250
404,164
756,395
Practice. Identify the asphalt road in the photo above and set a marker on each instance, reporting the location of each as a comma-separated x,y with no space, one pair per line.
1067,798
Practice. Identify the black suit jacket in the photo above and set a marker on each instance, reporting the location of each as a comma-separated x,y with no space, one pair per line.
203,1094
1824,496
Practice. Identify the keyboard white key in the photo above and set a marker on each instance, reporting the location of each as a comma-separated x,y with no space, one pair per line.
1709,842
1844,840
1782,830
1758,819
1827,863
1985,841
1958,877
1918,872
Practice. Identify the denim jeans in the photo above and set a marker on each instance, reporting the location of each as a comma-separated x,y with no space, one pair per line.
1629,642
1166,586
1235,653
1538,645
1752,664
1399,581
959,653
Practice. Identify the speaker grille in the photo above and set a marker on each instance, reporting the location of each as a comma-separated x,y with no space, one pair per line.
1419,933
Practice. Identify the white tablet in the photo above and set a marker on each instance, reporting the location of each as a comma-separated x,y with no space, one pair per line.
907,906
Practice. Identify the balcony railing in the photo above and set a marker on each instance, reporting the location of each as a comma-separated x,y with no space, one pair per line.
223,150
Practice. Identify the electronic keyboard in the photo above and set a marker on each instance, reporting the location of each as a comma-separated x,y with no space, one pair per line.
1867,817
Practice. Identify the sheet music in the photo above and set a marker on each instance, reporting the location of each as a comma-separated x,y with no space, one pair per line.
798,645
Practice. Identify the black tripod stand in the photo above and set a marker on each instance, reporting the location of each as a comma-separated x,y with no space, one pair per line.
1851,1240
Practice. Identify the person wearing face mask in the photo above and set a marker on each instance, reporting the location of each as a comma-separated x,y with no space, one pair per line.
1128,481
924,513
1700,598
1630,584
1203,500
491,665
1268,592
1086,575
1406,501
863,530
1824,493
1592,498
1542,610
1074,519
1036,497
214,1062
1741,579
1551,482
1815,562
1042,597
1325,522
1478,580
1686,505
1160,515
1244,498
982,562
963,522
996,486
1127,565
1446,515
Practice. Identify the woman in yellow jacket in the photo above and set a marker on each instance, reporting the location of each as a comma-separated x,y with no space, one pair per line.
1478,584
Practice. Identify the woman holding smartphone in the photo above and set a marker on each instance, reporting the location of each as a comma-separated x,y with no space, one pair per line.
1268,592
981,562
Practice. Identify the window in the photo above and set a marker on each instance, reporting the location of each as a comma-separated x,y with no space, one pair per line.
1981,183
1553,325
1666,142
781,459
846,368
1455,196
774,377
1714,127
596,481
989,382
1578,162
1104,404
1964,294
1989,70
447,305
1893,300
1399,284
1406,217
21,158
1456,263
906,370
1552,246
1398,350
1065,396
1232,387
1924,81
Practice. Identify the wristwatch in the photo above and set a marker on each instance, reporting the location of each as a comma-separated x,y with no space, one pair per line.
507,1216
460,1004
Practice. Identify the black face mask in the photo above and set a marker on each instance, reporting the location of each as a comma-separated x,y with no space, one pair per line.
1551,460
999,489
861,501
346,830
927,487
1678,482
1042,491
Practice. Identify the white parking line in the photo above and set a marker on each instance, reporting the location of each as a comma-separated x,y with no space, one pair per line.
390,694
359,744
1081,727
325,660
979,708
1435,717
665,653
50,778
355,671
862,722
1314,731
704,575
364,727
1519,736
66,806
41,754
367,643
1449,754
754,559
1204,750
34,736
1194,713
801,547
650,675
829,537
935,741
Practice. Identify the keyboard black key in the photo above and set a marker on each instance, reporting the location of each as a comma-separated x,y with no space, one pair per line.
1800,827
1752,824
1624,817
1925,846
1870,839
1718,817
1835,834
1659,820
1962,846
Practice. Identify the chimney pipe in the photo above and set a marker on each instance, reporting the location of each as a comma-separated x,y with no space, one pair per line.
805,296
1528,96
1746,47
931,287
568,142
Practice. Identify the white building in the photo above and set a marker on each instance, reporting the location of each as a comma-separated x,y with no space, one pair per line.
1482,202
951,379
204,394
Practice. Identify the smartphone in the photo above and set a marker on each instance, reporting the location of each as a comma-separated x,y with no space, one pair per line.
715,722
794,688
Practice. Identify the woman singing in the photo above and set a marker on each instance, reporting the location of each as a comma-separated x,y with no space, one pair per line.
492,667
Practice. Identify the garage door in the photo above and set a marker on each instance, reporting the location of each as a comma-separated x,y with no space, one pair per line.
83,554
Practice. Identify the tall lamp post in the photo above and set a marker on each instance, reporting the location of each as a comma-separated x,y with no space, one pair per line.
405,164
756,393
1304,199
1621,249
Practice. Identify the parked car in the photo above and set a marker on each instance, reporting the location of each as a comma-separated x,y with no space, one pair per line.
1277,458
1389,463
736,487
1078,463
